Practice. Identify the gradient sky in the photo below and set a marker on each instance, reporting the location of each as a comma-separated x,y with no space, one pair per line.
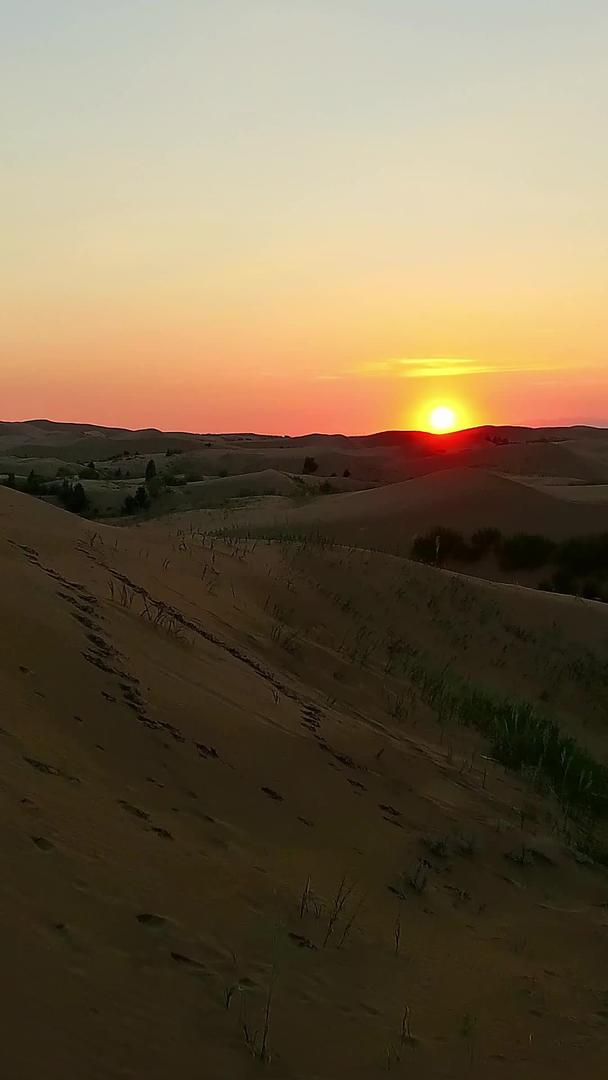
293,215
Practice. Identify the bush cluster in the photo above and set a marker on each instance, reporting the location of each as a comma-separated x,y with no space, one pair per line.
73,497
134,504
578,565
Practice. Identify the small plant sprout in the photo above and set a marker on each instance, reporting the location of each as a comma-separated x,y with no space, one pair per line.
304,899
406,1028
340,899
468,1029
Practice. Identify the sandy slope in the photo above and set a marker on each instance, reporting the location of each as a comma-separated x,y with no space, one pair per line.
170,782
464,499
543,459
46,467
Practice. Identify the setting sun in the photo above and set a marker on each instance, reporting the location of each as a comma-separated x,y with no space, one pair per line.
442,418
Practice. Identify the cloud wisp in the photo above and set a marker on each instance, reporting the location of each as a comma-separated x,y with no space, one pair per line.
441,367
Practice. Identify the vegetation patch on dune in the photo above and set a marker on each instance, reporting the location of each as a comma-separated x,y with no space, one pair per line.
578,565
521,739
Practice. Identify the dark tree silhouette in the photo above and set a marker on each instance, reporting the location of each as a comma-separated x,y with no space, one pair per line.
133,504
77,501
310,465
32,484
73,497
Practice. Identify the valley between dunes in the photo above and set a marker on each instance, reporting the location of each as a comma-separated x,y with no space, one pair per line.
243,836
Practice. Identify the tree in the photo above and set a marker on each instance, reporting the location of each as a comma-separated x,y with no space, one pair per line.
73,497
310,465
154,486
77,501
150,470
346,474
32,484
133,504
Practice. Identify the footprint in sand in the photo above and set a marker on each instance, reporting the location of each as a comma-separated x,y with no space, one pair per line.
164,833
187,961
42,843
149,918
134,810
272,794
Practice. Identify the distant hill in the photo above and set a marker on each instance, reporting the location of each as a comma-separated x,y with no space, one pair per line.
464,499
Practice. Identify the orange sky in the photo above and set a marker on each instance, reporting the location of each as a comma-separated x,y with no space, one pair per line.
314,215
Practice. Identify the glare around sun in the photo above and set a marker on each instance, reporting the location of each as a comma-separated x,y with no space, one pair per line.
442,418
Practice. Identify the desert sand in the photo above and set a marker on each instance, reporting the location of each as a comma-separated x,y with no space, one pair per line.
243,837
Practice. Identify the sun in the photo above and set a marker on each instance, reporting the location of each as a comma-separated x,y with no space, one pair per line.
442,418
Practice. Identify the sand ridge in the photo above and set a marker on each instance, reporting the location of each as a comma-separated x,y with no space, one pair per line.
207,741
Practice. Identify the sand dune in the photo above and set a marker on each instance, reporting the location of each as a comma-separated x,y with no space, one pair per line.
542,459
46,467
462,499
216,490
583,493
194,730
384,457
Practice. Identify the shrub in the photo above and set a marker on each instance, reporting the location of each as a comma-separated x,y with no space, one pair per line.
133,504
438,545
346,474
526,551
579,565
33,484
485,540
424,548
584,554
310,465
